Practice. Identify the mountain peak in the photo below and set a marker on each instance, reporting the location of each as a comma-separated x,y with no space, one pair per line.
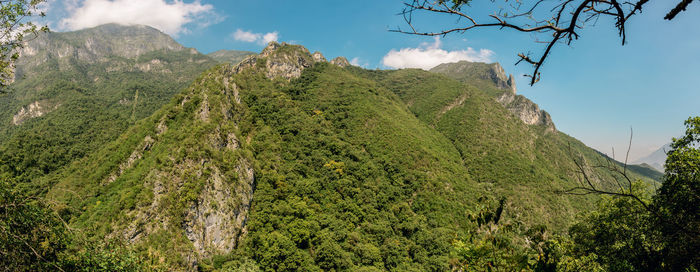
283,60
340,61
97,43
467,71
489,75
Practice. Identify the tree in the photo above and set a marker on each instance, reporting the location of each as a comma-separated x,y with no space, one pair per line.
637,233
15,26
31,236
35,238
677,202
619,235
555,21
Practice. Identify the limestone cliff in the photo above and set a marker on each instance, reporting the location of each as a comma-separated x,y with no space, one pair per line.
33,110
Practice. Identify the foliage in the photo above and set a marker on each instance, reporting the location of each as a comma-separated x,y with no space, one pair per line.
354,170
15,25
491,243
620,235
31,235
677,202
93,103
662,235
34,238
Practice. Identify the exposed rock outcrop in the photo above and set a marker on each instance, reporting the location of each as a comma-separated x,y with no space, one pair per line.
340,61
217,219
33,110
318,57
137,154
281,60
204,199
100,42
526,110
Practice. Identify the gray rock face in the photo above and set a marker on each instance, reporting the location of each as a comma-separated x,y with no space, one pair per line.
526,110
94,45
318,57
33,110
215,222
341,61
281,60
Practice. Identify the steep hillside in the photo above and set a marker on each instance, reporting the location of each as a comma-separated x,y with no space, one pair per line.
328,171
230,56
76,91
291,163
491,79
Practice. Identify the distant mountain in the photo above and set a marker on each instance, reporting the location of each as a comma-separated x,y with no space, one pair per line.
230,56
656,159
74,91
300,164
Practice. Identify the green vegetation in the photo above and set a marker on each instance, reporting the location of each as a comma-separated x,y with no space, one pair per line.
340,169
33,237
85,103
18,21
230,56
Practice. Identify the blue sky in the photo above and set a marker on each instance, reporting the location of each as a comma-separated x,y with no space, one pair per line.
595,89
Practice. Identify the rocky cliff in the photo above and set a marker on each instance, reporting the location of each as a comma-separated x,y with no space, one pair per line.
94,45
193,162
285,60
526,110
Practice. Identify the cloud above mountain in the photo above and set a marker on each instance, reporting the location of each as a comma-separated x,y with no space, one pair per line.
171,17
260,38
429,55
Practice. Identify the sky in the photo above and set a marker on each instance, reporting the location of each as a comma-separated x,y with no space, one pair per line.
595,89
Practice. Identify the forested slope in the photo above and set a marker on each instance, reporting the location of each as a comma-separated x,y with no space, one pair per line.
75,91
289,163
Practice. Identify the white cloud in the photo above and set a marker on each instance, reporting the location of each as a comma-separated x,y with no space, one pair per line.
245,36
270,37
358,62
248,36
168,16
429,55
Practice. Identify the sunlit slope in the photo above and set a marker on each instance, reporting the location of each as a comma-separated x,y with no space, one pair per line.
75,91
529,164
327,171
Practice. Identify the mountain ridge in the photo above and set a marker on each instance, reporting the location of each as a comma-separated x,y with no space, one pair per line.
486,76
298,163
87,87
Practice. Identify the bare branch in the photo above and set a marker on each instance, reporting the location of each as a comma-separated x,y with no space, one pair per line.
562,25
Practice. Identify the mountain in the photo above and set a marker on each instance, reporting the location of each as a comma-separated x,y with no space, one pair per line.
491,78
230,56
288,162
76,91
656,159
